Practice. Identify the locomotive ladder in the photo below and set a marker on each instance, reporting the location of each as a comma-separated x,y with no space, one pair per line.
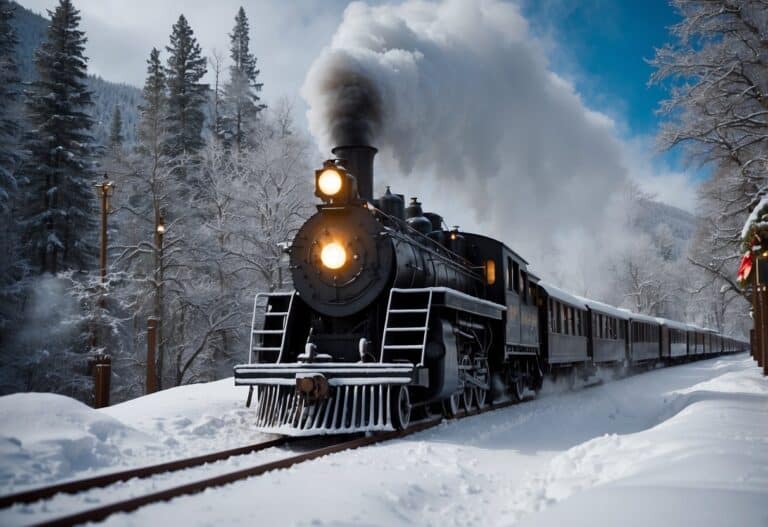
273,310
406,325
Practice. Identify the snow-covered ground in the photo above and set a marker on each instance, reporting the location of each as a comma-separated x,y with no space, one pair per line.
678,446
46,438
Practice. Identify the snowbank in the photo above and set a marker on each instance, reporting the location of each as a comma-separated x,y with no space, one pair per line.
193,419
46,437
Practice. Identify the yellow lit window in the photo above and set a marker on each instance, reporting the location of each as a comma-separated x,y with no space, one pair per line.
490,272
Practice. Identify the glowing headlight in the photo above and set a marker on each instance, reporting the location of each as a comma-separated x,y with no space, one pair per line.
333,256
329,182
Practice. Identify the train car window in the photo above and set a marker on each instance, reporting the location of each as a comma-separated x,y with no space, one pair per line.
552,323
578,324
525,287
490,272
559,317
565,319
516,277
509,274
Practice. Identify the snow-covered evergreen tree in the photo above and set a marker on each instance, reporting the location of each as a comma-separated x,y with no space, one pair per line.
58,210
152,109
116,137
216,60
187,96
241,101
10,264
9,89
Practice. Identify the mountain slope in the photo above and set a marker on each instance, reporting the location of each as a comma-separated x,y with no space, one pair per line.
31,30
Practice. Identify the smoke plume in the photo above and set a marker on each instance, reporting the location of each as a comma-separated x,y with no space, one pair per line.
460,100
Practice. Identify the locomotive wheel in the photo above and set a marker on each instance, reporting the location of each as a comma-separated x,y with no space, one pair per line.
452,405
468,398
517,387
400,405
465,365
481,395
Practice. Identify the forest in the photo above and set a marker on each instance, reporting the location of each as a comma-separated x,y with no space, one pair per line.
208,182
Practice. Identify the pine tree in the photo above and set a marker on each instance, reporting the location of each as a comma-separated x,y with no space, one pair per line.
186,94
10,261
9,89
116,133
58,213
241,98
154,107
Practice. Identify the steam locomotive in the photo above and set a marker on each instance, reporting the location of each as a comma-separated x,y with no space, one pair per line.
393,313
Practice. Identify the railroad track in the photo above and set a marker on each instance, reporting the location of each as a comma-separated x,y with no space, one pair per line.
102,512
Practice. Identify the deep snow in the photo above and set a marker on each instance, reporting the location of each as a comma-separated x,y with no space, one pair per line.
677,446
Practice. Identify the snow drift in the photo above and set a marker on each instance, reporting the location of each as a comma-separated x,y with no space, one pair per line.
47,437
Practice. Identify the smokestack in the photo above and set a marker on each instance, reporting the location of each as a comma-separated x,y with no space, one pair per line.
358,160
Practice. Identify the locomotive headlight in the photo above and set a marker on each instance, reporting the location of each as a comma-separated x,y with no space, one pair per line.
333,256
329,182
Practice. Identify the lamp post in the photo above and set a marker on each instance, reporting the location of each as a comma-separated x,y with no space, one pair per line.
157,320
102,362
107,189
760,306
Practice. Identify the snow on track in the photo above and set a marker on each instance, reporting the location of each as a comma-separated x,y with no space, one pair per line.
686,445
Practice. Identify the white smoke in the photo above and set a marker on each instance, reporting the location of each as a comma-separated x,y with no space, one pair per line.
459,98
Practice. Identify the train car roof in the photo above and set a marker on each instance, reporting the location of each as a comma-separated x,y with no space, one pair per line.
500,243
562,296
607,309
643,318
674,324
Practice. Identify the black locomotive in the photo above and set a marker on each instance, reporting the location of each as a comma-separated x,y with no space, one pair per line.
393,312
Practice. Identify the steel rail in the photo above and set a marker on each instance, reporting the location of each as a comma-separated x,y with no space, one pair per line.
80,485
100,513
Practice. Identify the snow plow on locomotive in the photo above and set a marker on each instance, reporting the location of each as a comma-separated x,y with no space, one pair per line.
393,313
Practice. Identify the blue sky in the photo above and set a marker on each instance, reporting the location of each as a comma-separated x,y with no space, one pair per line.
601,45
